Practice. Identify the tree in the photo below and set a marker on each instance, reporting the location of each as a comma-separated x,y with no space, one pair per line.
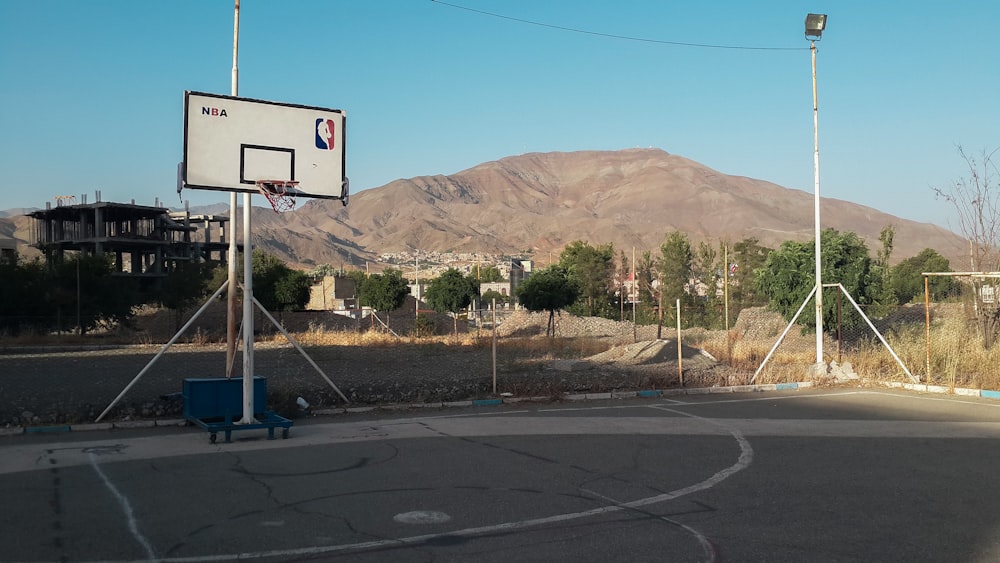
622,271
648,287
183,287
748,255
22,303
592,269
549,289
882,268
789,275
976,200
276,286
451,292
84,288
675,273
291,291
908,284
490,294
488,274
324,270
707,270
384,292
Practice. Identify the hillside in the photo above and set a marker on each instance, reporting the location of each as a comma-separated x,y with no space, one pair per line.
537,203
534,204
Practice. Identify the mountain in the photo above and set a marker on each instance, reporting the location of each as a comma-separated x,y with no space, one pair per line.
537,203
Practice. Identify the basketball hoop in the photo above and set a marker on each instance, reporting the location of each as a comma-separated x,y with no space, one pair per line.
279,193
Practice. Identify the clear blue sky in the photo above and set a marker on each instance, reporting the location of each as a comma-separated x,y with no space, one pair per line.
92,90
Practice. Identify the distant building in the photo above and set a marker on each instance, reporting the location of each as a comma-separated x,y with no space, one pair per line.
146,242
333,293
519,271
8,250
503,288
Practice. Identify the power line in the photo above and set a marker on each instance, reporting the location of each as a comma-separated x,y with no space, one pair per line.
614,36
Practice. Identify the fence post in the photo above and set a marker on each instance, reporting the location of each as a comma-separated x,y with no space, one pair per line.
927,326
680,356
494,345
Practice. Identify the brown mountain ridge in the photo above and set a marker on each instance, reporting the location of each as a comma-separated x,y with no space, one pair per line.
534,204
537,203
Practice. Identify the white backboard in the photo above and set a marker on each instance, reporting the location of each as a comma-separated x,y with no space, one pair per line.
230,143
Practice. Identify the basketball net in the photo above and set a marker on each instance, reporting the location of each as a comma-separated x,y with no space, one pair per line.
279,193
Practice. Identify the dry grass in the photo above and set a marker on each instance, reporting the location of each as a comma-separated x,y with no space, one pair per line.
535,347
957,357
745,356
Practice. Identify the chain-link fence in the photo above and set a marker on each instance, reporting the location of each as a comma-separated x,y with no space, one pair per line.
415,356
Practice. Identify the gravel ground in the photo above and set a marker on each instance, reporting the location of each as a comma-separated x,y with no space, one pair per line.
50,386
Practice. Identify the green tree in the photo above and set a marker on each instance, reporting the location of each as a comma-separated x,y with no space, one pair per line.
883,270
648,287
452,292
592,270
490,294
83,288
184,287
748,255
707,269
788,276
487,274
23,306
908,281
276,286
384,292
675,274
549,289
324,270
291,291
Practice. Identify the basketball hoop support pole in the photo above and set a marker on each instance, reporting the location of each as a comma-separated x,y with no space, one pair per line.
248,406
231,254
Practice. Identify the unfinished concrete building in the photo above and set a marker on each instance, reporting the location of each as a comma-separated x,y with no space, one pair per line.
146,242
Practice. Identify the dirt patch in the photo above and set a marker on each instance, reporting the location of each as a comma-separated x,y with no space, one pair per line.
49,385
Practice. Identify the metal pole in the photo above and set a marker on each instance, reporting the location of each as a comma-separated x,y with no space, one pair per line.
165,347
79,321
725,283
927,326
634,292
819,262
231,255
877,333
680,355
840,338
295,343
783,334
248,406
494,346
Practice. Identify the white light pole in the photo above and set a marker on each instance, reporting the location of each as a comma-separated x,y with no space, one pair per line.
815,24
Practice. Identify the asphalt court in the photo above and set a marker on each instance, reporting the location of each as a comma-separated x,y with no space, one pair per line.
808,475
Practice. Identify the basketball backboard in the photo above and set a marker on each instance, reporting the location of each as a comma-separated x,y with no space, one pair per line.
232,143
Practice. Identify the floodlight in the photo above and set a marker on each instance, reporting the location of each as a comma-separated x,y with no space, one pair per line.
815,24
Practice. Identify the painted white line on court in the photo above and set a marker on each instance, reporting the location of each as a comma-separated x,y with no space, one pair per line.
706,545
744,461
953,399
133,526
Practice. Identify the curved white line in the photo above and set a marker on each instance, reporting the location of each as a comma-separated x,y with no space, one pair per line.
745,459
133,526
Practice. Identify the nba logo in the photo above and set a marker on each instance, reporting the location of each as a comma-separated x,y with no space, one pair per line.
324,134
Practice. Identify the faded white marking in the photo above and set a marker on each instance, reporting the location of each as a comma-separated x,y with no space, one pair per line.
133,526
744,460
422,517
